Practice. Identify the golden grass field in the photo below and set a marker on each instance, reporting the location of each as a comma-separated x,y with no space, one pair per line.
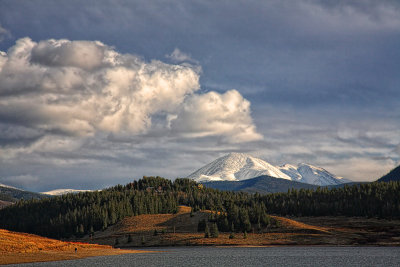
22,248
180,230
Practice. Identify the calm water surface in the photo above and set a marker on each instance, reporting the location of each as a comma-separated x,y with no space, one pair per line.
266,256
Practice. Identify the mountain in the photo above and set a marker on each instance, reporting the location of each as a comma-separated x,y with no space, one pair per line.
263,185
59,192
236,167
306,173
12,194
239,166
393,175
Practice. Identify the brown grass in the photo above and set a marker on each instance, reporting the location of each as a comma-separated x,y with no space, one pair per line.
181,229
295,225
22,248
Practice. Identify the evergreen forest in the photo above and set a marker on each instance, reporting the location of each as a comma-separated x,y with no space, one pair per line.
84,213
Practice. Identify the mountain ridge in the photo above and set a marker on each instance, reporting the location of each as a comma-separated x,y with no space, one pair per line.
262,185
12,194
393,175
59,192
240,166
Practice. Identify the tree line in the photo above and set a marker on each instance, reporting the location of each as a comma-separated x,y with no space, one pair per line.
87,212
377,199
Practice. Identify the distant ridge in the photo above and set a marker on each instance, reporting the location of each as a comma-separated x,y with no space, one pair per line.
393,175
262,184
12,194
59,192
239,166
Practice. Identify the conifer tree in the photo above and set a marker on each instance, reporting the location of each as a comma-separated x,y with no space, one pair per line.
206,232
214,230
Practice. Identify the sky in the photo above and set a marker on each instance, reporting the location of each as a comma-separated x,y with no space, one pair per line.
98,93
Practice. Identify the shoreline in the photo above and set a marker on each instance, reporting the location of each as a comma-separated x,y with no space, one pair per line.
256,246
48,256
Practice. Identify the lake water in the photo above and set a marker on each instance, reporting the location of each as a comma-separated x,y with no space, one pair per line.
239,256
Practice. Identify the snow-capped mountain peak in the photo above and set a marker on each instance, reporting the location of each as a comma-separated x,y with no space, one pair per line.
318,175
239,166
59,192
236,167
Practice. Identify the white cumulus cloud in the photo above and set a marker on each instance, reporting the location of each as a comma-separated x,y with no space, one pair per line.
80,88
212,113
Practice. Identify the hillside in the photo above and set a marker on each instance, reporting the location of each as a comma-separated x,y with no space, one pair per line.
263,185
181,229
393,175
84,213
12,194
21,248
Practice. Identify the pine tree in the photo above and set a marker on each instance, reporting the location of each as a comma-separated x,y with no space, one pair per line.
206,232
214,230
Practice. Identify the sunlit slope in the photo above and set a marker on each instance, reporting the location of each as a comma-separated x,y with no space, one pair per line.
20,247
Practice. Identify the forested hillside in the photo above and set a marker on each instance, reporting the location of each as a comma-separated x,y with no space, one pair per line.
83,213
263,184
79,214
380,200
13,194
393,175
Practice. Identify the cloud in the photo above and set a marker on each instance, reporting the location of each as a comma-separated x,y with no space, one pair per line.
20,181
77,108
4,33
212,113
364,169
312,71
85,55
177,56
80,88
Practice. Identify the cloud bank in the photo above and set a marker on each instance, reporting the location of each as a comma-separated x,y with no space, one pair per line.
82,88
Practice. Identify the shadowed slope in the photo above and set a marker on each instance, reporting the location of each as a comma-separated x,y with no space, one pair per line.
393,175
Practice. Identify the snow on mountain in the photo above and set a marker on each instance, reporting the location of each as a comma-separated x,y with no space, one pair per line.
239,166
309,174
236,167
9,186
59,192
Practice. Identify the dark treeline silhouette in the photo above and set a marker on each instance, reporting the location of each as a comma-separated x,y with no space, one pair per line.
84,213
393,175
380,200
